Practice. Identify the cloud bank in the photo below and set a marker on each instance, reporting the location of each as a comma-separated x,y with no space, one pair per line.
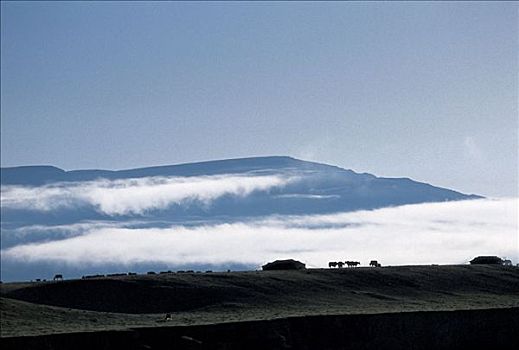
439,233
136,196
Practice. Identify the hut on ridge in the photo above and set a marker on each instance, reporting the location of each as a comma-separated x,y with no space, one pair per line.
487,260
289,264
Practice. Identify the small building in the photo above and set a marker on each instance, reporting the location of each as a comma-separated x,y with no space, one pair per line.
487,260
289,264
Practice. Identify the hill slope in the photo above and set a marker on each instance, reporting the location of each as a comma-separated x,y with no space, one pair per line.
236,296
355,288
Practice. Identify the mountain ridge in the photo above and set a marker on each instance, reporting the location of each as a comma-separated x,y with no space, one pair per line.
36,175
22,175
318,188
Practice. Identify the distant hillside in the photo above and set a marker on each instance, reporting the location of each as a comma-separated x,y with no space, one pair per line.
316,188
39,175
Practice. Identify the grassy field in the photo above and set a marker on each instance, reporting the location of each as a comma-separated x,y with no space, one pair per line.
207,298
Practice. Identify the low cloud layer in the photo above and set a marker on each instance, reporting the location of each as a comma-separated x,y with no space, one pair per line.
439,233
136,196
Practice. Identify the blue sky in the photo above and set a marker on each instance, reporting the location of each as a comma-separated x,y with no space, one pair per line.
421,90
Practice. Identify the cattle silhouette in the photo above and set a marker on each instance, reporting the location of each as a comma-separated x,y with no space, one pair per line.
375,263
352,263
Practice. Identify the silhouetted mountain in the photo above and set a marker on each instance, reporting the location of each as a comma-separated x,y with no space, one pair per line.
39,175
319,188
38,200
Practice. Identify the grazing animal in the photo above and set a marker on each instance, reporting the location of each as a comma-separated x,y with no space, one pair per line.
352,263
375,263
507,262
340,264
115,274
58,277
332,264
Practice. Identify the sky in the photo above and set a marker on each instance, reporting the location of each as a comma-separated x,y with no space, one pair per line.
421,90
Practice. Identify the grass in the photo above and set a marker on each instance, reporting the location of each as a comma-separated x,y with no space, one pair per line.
142,300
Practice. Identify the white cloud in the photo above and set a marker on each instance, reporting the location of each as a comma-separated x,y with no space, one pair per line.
136,196
72,229
442,233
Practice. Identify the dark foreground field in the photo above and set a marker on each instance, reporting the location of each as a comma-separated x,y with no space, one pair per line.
363,308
